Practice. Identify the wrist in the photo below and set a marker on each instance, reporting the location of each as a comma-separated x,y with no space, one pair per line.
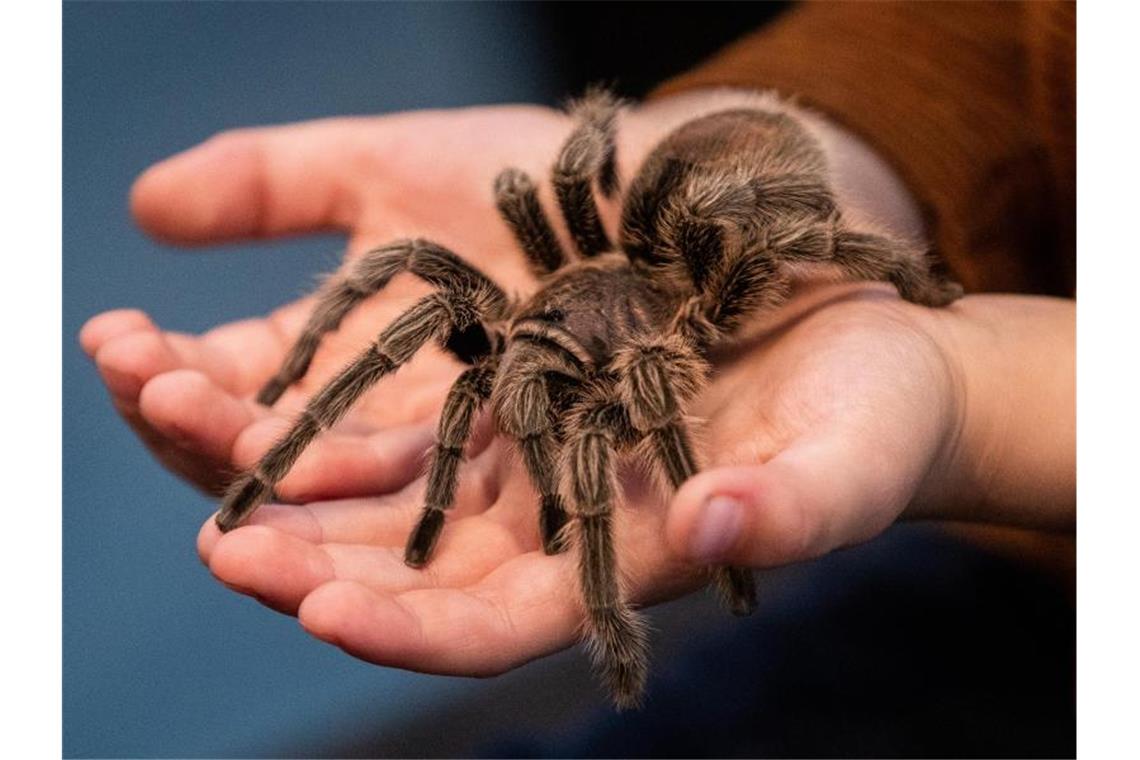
1010,454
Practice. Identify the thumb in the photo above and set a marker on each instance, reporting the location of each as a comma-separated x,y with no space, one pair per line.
811,498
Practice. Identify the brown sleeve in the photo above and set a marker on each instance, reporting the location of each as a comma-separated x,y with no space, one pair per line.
973,103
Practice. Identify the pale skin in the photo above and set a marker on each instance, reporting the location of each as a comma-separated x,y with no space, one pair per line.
846,411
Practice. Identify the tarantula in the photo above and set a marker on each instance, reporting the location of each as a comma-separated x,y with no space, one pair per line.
605,356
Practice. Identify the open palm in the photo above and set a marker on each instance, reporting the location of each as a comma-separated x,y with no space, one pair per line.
844,395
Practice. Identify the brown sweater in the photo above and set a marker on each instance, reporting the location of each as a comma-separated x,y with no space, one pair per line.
973,103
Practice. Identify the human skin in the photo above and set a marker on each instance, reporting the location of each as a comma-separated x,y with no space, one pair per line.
844,412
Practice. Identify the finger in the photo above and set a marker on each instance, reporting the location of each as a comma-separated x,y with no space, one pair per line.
248,352
471,550
338,464
252,183
111,324
188,409
210,476
377,521
518,613
190,421
130,359
291,519
274,567
813,497
280,568
388,519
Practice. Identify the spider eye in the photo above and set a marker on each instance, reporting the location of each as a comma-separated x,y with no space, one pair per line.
554,315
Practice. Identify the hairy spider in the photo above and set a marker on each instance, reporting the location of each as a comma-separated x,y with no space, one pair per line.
605,356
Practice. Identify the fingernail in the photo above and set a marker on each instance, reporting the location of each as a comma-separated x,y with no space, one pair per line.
717,528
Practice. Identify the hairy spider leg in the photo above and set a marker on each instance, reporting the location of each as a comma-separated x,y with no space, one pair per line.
645,203
655,377
681,221
618,641
368,275
516,197
524,411
466,397
588,155
798,240
907,267
451,316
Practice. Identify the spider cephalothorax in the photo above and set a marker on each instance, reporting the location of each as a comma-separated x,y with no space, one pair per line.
603,359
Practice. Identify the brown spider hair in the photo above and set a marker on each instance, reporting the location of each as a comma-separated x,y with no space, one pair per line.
605,357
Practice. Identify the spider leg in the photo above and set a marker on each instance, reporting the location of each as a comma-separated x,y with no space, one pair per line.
618,639
516,197
862,255
906,266
700,216
588,155
750,284
368,275
464,401
440,315
525,415
538,456
655,378
755,280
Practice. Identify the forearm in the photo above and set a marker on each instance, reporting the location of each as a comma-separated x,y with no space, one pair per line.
1011,458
